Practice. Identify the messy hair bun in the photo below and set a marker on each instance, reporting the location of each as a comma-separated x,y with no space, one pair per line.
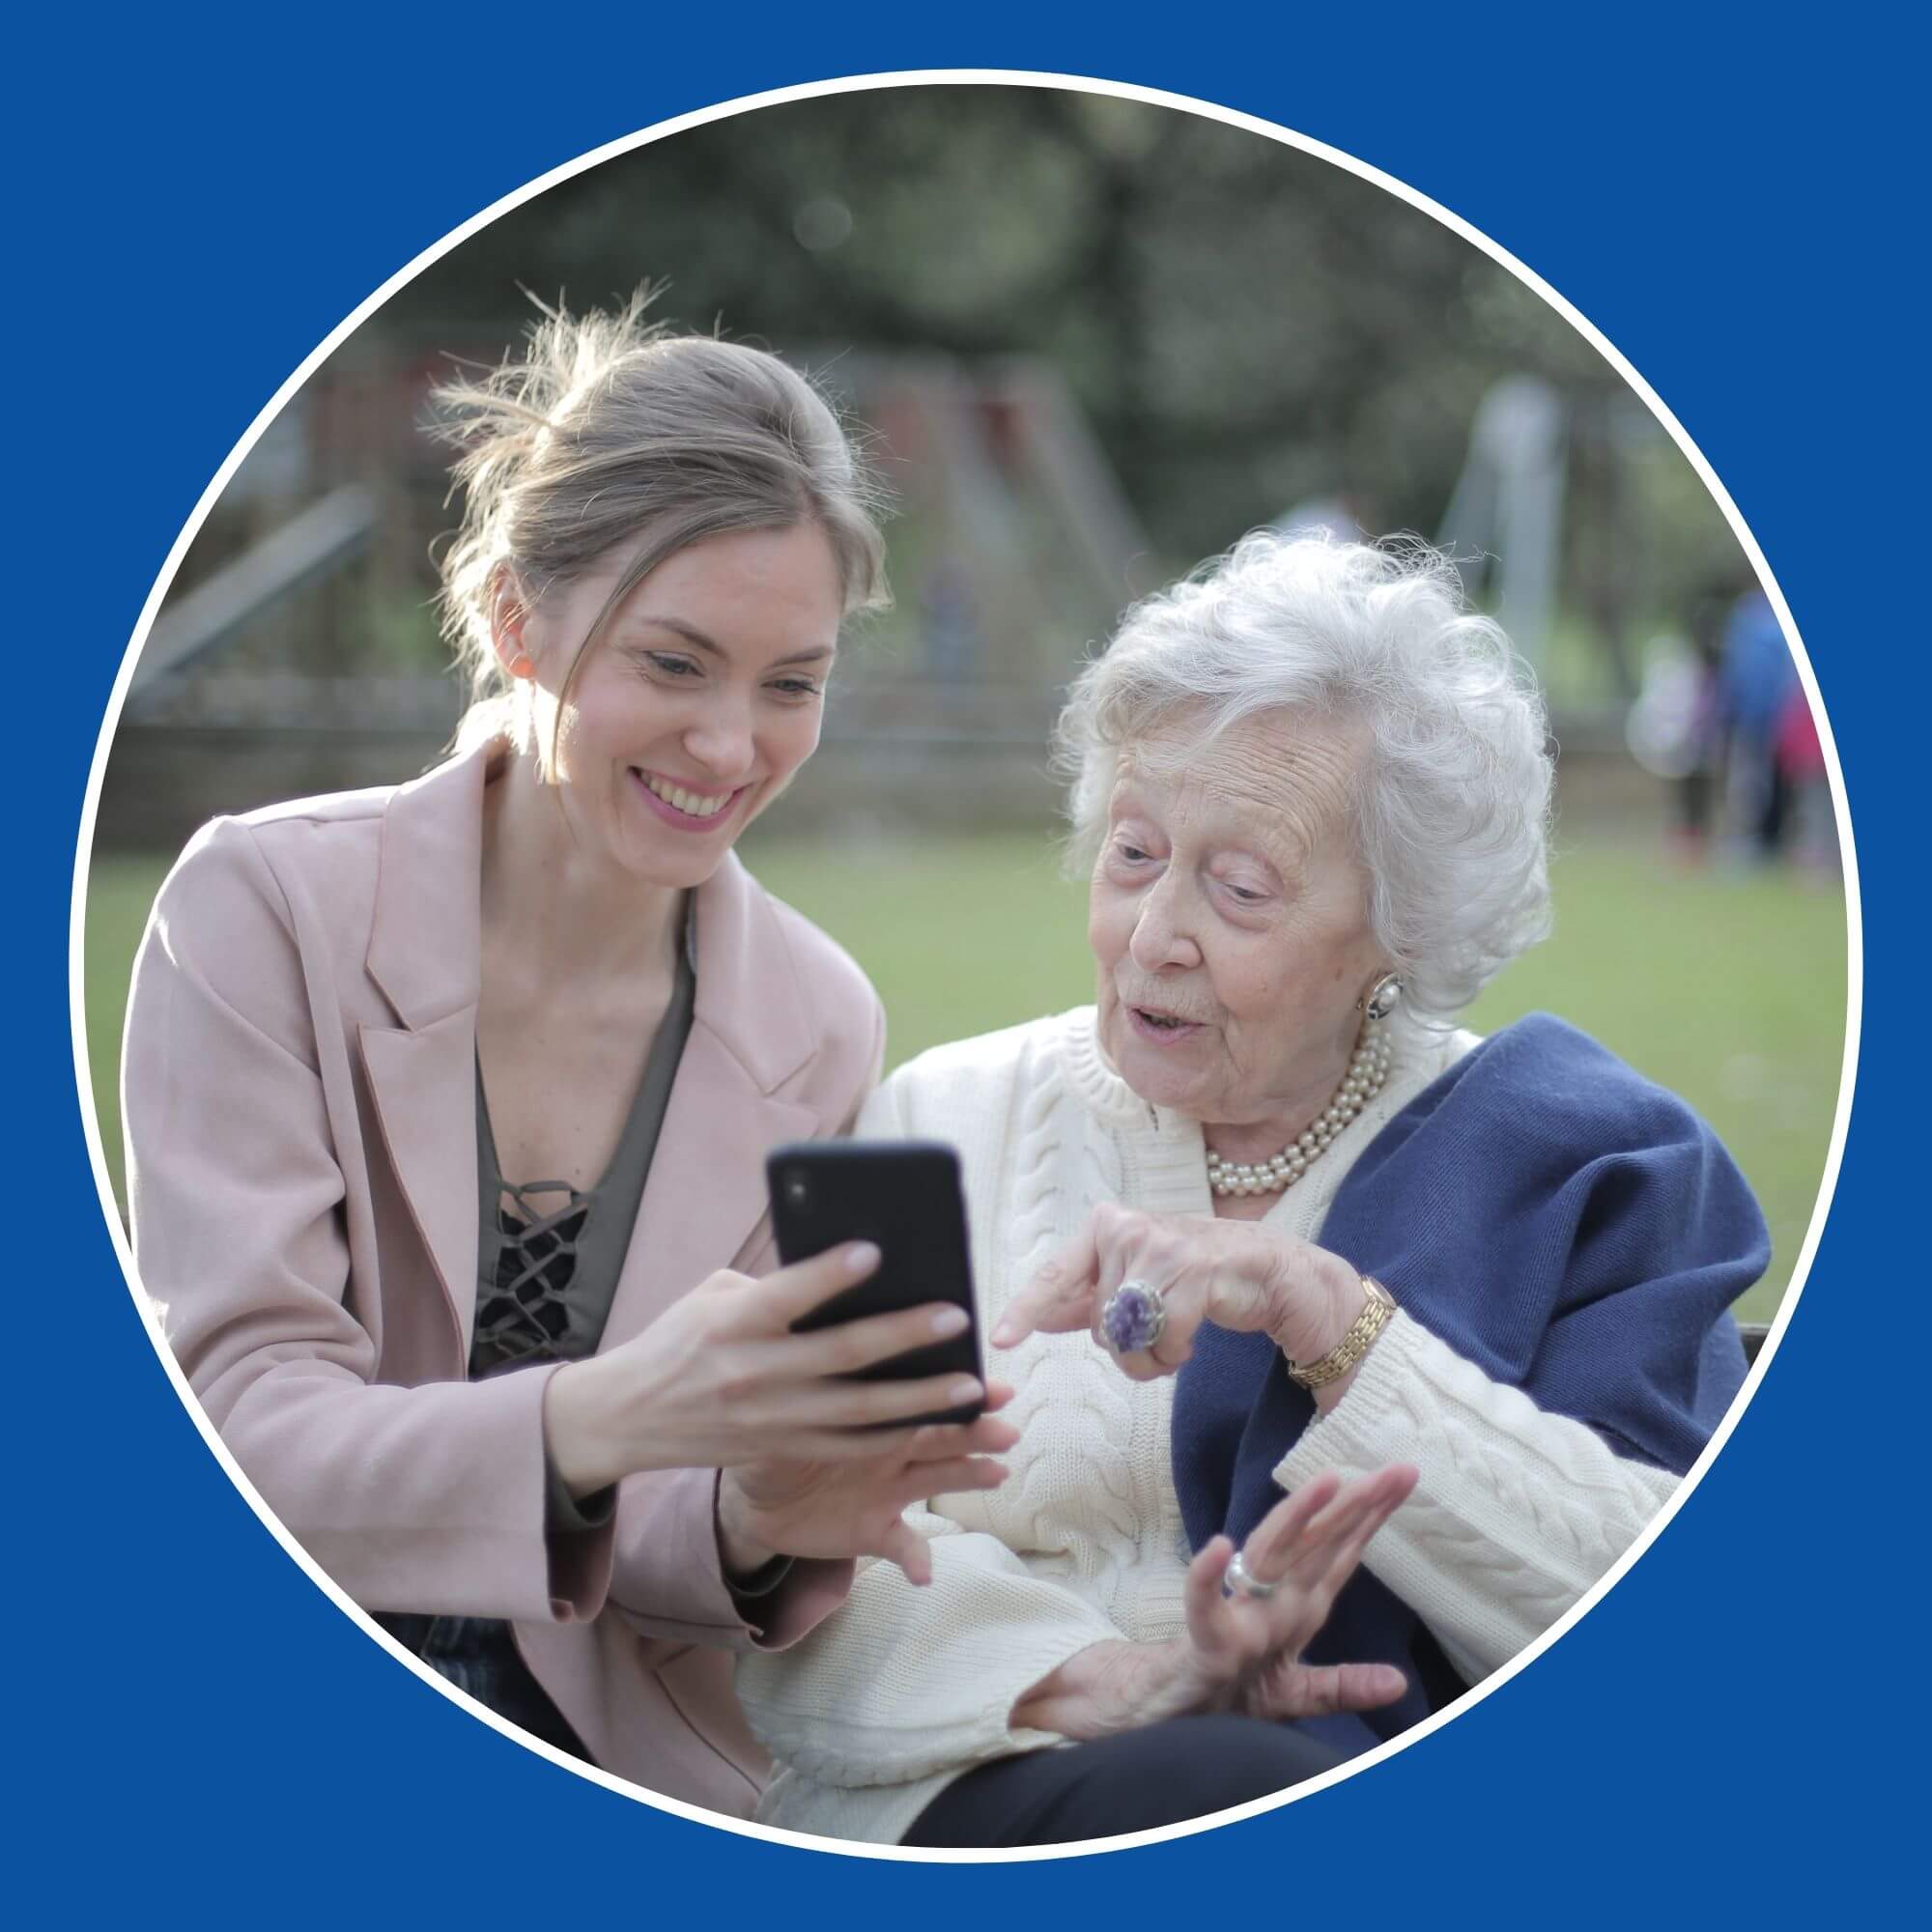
609,426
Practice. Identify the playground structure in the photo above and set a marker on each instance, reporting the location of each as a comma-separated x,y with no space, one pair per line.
299,651
307,658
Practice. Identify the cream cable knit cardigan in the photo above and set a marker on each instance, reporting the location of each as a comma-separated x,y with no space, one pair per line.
893,1696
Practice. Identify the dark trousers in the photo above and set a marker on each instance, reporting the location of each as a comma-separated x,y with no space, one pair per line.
1162,1774
479,1655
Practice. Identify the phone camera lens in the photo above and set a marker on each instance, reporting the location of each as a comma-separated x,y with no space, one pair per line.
797,1191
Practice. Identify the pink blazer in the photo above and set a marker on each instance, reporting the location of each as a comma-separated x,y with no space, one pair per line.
300,1099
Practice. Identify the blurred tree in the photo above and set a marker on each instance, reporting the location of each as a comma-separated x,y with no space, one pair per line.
1248,325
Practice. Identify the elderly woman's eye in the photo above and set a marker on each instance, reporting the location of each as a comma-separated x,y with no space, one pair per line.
669,665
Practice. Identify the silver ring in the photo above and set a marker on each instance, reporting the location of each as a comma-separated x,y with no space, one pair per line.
1134,1317
1238,1582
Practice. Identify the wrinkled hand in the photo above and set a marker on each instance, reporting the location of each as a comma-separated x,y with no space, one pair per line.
856,1509
1237,1274
1242,1653
1247,1650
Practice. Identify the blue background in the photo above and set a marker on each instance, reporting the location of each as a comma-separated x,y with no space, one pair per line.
197,1728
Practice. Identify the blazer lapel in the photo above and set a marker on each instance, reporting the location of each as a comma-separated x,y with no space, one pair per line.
425,948
750,1031
424,1086
706,1189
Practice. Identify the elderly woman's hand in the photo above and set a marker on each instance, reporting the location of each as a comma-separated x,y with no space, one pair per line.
1306,1547
1237,1274
1241,1652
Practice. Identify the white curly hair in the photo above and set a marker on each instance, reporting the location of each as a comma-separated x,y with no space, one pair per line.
1452,799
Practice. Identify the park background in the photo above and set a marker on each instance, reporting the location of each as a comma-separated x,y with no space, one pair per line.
1094,340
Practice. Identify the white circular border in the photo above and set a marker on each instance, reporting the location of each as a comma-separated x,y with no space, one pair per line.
1067,83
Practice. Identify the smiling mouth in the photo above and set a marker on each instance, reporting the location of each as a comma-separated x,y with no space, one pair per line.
682,799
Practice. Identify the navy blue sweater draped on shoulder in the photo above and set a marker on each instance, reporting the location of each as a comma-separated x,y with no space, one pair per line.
1561,1222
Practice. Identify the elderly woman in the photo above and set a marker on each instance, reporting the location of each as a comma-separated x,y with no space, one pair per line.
1262,1219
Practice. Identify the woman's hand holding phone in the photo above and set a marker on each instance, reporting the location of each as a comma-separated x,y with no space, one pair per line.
858,1509
721,1380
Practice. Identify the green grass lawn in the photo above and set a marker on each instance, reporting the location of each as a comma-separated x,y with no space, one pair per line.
1729,990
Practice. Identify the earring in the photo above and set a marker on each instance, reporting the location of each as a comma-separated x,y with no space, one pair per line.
1381,999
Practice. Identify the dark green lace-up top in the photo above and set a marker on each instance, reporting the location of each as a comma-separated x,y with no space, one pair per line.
549,1258
548,1266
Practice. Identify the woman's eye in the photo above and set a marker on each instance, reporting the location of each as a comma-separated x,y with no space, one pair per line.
795,687
1132,854
670,667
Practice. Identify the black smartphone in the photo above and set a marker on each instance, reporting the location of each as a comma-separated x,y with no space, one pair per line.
906,1198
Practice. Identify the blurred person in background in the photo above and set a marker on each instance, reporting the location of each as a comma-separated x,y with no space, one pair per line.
1264,1220
1800,752
1701,776
1675,728
447,1102
1756,682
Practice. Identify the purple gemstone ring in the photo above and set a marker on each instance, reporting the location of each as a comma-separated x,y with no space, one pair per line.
1134,1317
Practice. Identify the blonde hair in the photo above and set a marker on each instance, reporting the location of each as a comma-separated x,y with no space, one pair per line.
609,426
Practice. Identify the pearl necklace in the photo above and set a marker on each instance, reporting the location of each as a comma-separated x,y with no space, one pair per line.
1368,1068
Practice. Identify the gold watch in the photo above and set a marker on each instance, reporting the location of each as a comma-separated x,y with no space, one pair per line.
1354,1344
